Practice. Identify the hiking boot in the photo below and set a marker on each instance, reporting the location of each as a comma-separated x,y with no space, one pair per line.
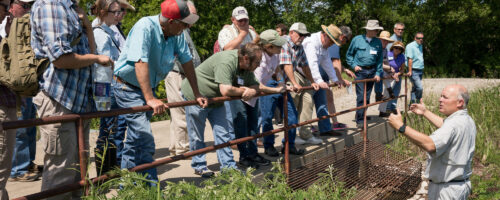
247,162
271,151
27,177
293,151
204,172
260,160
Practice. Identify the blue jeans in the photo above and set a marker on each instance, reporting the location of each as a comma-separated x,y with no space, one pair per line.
195,119
379,87
115,125
360,75
267,105
25,149
396,89
245,121
139,145
417,88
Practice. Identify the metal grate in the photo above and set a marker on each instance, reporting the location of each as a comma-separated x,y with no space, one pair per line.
379,173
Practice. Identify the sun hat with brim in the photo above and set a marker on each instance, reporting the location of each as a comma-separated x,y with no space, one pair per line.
333,33
372,24
385,35
126,4
271,37
178,9
398,44
300,28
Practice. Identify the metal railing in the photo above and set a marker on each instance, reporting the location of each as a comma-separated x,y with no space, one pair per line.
79,122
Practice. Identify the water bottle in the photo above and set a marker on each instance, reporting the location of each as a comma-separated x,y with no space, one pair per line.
102,87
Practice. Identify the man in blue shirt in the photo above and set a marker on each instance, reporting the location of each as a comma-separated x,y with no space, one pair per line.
415,61
149,54
365,57
399,28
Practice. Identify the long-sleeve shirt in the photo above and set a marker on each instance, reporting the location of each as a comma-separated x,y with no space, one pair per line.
362,52
317,56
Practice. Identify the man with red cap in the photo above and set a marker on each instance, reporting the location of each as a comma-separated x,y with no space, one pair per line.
151,47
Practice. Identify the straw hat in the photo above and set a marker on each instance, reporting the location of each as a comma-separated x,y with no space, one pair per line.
398,44
333,32
372,24
385,35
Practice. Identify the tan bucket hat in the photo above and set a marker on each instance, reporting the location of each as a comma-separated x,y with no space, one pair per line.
385,35
372,24
333,32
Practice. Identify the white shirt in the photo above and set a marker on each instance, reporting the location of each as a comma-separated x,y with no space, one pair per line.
3,34
267,67
228,34
455,143
318,56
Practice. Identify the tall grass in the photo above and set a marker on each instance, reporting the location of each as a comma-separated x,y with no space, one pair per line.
484,108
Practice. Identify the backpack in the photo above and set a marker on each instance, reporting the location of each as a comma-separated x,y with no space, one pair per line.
19,69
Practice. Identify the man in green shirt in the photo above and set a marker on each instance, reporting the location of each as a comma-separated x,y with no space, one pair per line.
228,73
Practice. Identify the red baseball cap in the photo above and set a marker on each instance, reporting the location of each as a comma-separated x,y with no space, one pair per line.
178,9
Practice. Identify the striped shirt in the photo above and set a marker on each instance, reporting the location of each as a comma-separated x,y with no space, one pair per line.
294,55
54,25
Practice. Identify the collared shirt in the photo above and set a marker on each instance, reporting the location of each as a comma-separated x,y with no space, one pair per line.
228,34
364,53
7,97
334,52
455,143
395,38
192,49
317,56
292,54
54,25
105,42
147,43
415,52
117,35
395,62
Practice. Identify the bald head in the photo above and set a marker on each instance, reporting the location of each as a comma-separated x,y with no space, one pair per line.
461,92
453,98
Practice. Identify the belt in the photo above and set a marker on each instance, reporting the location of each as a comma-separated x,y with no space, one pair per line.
454,181
368,67
120,80
176,71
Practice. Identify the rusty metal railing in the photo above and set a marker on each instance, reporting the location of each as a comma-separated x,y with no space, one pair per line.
79,118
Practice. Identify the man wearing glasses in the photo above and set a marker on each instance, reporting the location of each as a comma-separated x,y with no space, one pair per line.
399,28
415,61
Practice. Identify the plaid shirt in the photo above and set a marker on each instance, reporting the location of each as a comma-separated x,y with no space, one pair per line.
54,25
292,54
7,97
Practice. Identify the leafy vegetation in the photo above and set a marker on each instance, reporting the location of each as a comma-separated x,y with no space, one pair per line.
483,108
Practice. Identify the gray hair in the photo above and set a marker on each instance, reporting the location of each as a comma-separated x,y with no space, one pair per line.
163,19
399,24
463,95
346,31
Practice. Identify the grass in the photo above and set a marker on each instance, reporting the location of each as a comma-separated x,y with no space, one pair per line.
483,107
231,184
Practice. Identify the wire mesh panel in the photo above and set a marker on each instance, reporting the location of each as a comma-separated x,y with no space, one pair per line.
377,173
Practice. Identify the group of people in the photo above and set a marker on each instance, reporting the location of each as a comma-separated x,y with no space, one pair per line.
160,47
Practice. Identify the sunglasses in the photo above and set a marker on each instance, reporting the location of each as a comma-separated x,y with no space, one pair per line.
303,35
400,29
419,38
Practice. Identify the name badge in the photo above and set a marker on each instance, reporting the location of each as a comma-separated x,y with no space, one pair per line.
241,81
373,52
391,58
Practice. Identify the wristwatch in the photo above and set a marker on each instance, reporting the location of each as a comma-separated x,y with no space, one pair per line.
402,129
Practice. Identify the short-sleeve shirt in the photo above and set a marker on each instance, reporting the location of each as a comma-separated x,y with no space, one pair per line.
395,62
220,68
228,34
455,143
334,51
292,54
146,42
54,25
106,44
415,52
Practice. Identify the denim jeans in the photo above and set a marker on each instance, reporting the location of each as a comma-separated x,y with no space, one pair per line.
417,88
379,87
196,118
360,75
139,145
245,121
25,148
112,131
396,88
267,105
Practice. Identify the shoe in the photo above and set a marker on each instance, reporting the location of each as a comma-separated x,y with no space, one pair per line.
339,126
314,140
260,143
331,133
27,177
378,96
271,151
260,160
313,130
384,114
35,168
299,140
247,162
204,173
293,150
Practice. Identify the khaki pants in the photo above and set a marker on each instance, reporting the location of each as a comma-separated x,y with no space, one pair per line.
179,141
304,103
60,143
7,142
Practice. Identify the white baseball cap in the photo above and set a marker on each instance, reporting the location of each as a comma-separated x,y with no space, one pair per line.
240,13
299,27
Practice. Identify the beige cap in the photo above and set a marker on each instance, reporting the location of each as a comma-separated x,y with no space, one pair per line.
299,28
271,36
240,12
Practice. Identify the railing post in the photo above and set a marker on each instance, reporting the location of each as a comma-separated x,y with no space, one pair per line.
285,125
364,115
81,148
406,98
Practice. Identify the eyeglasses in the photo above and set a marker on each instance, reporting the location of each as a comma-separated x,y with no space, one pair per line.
419,38
25,6
400,29
303,35
117,12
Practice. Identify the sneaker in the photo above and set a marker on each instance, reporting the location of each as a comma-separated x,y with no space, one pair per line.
271,151
299,140
27,177
204,172
339,126
293,150
247,162
260,160
314,140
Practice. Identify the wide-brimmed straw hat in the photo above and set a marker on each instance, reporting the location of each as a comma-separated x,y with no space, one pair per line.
398,44
333,33
372,24
385,35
